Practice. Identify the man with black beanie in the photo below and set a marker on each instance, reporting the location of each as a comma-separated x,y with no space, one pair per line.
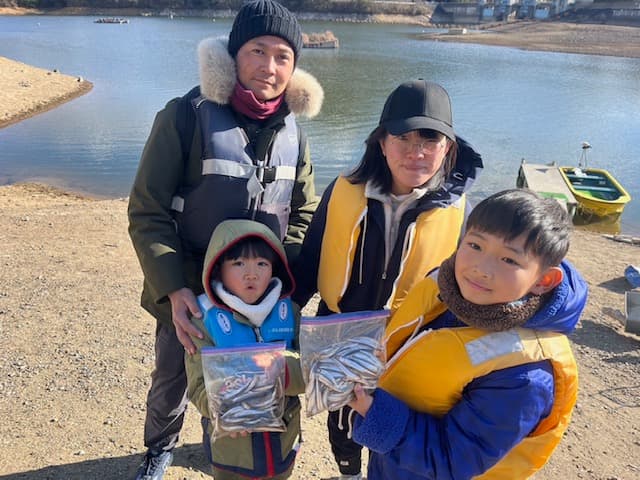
230,148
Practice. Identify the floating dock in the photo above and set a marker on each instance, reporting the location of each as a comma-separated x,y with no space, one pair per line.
547,181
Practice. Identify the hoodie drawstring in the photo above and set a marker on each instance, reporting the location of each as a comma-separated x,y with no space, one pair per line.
364,236
349,421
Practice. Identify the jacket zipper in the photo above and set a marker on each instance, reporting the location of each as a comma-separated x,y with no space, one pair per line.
259,337
271,470
383,278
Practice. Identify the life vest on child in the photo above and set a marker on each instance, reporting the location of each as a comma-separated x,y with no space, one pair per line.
234,184
225,331
429,369
433,238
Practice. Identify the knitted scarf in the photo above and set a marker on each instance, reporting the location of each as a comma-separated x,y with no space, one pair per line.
245,102
496,317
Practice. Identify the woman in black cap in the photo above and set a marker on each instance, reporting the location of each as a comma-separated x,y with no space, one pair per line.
383,227
230,148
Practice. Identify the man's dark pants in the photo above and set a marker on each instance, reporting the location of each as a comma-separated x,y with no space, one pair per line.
167,397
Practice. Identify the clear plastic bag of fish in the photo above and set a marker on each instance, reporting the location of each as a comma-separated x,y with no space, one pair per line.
336,353
245,387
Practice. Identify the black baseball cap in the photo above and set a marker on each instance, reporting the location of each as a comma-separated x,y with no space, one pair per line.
417,105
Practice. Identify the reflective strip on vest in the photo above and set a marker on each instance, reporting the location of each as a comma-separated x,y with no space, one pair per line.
205,302
177,203
230,168
493,346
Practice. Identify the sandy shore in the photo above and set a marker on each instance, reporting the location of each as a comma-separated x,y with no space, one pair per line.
76,352
26,90
563,37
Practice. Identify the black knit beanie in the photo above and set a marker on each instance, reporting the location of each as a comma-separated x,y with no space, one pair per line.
264,17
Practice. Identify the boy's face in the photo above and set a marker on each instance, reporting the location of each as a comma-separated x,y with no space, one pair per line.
246,277
490,270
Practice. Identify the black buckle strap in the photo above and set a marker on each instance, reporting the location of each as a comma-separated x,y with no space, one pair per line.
268,174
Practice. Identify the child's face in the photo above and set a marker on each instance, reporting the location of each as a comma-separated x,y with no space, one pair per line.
246,277
491,270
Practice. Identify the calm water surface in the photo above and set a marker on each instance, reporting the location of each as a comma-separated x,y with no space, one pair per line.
510,104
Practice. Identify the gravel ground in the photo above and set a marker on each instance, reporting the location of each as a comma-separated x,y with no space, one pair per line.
76,352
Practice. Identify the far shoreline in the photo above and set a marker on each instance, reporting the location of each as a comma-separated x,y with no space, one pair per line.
535,35
212,13
551,36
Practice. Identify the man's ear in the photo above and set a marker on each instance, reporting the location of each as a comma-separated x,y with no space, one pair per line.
549,280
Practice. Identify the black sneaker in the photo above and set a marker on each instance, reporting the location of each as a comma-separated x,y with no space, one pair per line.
154,465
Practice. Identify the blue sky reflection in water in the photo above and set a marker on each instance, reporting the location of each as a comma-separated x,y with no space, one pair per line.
511,104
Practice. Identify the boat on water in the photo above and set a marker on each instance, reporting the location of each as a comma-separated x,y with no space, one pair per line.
322,44
596,191
320,40
111,20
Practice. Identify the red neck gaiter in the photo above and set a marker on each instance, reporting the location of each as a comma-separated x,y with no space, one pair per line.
245,102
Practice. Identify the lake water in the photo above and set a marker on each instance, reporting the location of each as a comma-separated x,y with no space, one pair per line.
511,104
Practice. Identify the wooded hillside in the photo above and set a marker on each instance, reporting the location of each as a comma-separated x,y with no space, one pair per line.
342,6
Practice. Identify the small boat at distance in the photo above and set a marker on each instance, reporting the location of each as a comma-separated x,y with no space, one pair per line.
111,20
320,40
596,190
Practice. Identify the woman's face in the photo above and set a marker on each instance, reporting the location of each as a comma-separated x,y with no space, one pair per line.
413,159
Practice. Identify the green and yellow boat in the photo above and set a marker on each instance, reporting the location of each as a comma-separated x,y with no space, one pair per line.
596,191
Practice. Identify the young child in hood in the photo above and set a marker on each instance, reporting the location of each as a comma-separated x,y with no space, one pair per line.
247,285
481,380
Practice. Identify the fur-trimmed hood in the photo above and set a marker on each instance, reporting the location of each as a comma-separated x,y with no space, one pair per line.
218,76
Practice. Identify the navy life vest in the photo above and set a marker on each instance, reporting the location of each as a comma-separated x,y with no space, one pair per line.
236,184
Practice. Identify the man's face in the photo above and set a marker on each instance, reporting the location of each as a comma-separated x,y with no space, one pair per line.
265,65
